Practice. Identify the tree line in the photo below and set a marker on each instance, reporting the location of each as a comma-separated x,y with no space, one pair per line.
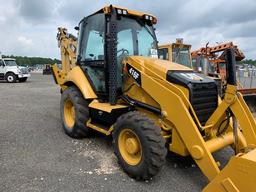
31,61
248,61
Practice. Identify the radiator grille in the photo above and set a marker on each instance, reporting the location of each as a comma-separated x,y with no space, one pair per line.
204,99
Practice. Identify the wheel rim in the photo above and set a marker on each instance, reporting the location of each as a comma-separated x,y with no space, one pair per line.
130,147
10,78
69,113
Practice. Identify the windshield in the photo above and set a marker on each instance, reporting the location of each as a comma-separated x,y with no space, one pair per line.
181,56
10,62
135,37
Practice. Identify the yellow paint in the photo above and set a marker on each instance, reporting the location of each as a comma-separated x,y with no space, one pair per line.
105,106
75,76
107,10
69,113
99,129
130,147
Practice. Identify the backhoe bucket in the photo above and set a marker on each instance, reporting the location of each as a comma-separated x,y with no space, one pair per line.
239,175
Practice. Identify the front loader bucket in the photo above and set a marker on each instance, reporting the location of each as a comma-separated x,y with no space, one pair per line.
239,175
249,96
251,102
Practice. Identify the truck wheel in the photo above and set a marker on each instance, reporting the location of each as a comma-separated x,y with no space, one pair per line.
23,79
74,113
11,78
139,145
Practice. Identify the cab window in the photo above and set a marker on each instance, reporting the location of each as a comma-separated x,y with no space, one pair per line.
92,50
163,54
1,63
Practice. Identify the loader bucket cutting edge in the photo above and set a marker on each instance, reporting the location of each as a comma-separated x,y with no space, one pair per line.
239,175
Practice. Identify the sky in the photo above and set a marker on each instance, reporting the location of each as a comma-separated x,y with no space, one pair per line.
29,27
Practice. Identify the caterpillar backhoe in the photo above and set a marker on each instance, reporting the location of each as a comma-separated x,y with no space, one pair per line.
112,82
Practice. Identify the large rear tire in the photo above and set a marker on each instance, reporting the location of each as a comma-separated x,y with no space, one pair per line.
139,145
74,113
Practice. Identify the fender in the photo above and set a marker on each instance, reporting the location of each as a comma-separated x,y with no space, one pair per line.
75,76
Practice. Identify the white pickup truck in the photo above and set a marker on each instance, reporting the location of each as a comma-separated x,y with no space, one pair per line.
11,72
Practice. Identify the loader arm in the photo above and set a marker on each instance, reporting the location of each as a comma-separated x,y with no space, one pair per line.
174,110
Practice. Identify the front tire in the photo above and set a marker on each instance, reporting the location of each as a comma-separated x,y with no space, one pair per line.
11,78
23,79
139,145
74,113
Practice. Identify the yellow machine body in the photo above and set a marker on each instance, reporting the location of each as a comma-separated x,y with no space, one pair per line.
177,117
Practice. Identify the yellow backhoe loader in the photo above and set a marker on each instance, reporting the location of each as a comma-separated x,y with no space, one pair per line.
177,52
115,84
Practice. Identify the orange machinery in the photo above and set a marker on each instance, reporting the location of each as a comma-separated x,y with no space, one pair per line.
211,60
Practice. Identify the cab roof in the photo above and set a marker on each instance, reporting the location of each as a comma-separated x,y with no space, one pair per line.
8,59
107,10
174,44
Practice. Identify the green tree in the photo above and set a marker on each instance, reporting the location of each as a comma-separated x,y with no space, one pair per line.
31,61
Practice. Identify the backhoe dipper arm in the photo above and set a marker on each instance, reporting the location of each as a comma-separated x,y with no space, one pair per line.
67,44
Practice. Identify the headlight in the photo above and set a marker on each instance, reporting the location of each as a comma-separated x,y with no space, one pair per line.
122,11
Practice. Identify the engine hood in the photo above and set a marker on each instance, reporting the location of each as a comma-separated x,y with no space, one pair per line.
12,67
158,66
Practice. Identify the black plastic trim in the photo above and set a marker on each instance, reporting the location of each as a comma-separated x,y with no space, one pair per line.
141,105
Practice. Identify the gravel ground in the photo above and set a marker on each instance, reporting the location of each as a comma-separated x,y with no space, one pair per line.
36,155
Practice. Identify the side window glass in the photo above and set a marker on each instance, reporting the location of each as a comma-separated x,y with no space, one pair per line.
124,48
95,46
124,43
146,42
92,49
166,56
161,53
1,63
92,37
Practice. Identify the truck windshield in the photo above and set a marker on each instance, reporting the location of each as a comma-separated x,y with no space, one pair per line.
135,37
10,63
181,56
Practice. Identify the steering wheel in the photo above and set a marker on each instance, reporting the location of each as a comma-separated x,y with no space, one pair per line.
124,51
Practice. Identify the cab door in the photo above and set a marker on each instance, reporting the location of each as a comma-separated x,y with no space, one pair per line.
92,52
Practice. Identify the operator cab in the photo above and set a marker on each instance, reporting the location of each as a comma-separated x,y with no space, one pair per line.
10,62
106,38
176,52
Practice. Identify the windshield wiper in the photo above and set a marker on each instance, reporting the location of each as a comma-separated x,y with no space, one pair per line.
147,28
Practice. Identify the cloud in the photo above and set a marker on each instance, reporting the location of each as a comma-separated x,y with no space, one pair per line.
28,27
25,41
35,11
